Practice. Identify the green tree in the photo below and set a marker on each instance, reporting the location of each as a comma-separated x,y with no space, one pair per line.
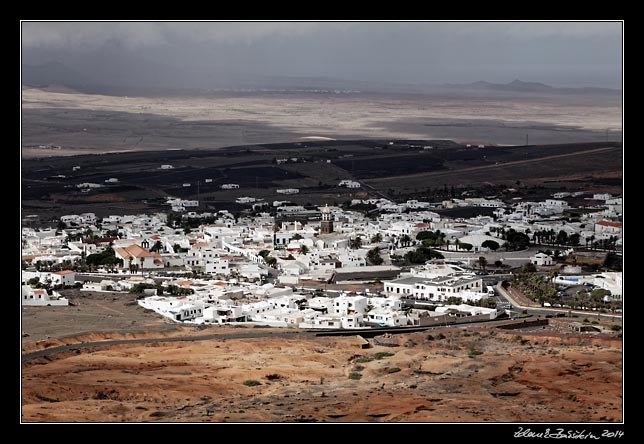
562,237
376,238
271,261
482,262
573,239
158,246
355,242
405,240
492,245
373,256
304,249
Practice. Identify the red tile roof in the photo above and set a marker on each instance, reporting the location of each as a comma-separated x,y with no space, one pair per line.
64,272
134,251
607,223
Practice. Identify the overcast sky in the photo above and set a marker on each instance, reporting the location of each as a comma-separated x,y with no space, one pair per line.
197,54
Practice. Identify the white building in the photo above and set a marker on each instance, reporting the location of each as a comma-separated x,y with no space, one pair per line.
386,317
608,227
463,310
437,289
245,200
136,255
346,305
40,297
217,266
541,259
186,312
230,186
65,277
287,191
104,285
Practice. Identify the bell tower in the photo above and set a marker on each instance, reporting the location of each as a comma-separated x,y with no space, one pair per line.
326,226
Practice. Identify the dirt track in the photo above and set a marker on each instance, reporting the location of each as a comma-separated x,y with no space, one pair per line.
518,376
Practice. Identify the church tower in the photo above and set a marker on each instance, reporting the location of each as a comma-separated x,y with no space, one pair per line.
326,226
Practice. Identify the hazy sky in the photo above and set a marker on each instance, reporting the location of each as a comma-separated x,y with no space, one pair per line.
204,53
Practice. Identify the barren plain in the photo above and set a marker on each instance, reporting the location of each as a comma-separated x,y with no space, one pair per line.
450,374
90,123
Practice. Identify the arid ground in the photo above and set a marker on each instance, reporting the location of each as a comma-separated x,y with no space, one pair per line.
91,123
468,374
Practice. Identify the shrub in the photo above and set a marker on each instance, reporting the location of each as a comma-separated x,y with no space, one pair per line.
430,338
381,355
363,359
251,383
358,368
393,370
273,377
440,336
615,327
355,376
473,353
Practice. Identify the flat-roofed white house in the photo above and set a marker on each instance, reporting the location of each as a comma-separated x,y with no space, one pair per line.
436,289
222,314
217,265
186,312
345,305
104,285
386,317
40,297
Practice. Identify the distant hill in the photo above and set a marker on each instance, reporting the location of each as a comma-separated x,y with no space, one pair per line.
528,87
158,79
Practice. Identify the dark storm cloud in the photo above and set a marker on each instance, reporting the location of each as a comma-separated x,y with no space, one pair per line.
559,53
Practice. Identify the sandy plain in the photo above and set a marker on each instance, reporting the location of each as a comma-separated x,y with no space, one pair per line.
78,123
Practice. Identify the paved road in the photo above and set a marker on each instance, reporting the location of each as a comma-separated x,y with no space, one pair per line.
248,334
237,335
544,311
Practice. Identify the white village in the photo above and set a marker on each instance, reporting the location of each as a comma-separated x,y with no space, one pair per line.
291,267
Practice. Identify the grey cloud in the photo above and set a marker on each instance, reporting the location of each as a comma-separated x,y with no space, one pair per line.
559,53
